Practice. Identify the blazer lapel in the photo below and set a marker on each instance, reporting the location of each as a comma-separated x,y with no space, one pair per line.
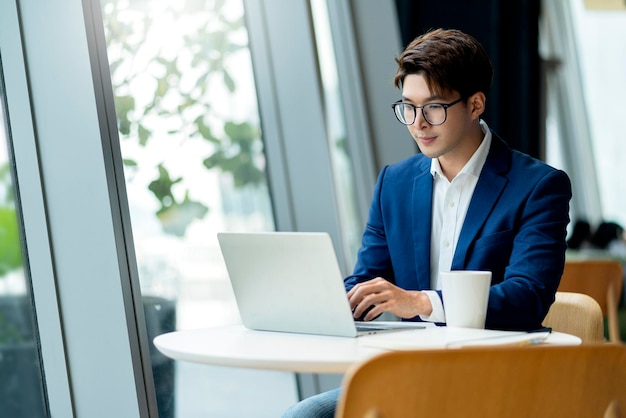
422,208
488,190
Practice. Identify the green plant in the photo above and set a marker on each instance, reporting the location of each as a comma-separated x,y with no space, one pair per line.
181,79
10,250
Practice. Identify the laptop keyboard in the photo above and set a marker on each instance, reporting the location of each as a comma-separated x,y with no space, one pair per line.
373,326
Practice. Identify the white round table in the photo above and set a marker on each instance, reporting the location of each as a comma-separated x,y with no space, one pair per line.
237,346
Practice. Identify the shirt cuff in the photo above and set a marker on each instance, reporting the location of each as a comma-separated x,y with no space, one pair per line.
438,314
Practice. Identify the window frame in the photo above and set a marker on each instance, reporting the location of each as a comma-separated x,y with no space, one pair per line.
73,212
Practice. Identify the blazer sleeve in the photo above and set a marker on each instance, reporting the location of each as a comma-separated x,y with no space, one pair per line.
533,255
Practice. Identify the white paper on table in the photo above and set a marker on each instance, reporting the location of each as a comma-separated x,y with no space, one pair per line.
448,337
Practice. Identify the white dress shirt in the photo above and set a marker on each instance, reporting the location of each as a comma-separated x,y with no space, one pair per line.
450,202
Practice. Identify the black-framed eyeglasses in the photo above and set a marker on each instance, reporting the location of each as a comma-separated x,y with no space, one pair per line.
434,113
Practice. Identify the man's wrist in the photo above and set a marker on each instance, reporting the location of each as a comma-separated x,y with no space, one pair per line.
436,313
424,304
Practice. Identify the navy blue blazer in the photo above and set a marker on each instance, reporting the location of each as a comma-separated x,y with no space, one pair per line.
515,227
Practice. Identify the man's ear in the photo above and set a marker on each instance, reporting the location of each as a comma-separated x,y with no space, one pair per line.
476,104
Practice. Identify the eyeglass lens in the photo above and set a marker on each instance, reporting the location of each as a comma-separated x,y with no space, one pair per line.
434,114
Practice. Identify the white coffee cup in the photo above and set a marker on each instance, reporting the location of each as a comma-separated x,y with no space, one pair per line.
465,295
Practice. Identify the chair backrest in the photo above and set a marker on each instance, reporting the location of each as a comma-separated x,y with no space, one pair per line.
534,381
577,314
600,279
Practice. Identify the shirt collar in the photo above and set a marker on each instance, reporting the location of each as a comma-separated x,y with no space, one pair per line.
475,164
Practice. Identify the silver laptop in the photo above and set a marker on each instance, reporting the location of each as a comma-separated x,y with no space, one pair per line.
291,282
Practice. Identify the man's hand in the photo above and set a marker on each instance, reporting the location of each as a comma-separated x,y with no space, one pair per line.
383,296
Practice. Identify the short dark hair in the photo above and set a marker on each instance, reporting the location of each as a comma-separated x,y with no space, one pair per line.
450,60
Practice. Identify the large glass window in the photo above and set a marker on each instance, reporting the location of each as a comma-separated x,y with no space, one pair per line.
601,36
584,87
351,224
194,165
21,390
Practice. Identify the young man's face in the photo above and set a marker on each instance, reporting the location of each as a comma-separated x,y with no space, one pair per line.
454,141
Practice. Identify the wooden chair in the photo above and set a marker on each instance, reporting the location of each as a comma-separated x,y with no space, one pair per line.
533,381
577,314
600,279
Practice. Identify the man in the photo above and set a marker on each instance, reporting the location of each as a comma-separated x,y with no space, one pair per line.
466,202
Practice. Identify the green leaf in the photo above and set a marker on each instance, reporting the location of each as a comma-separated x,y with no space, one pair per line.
216,160
123,106
247,173
230,83
176,219
205,130
144,134
124,126
10,248
162,87
162,187
240,131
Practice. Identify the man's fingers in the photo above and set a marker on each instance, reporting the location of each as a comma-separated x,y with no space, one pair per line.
367,295
371,301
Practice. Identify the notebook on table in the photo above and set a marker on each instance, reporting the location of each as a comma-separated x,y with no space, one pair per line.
291,282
